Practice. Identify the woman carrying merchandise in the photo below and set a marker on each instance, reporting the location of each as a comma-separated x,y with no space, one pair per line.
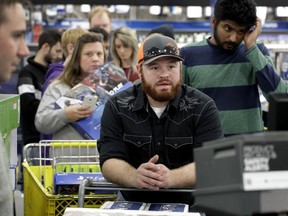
87,56
124,48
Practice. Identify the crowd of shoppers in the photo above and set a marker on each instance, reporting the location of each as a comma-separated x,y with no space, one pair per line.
180,97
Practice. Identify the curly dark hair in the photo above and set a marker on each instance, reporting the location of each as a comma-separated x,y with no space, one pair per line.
243,12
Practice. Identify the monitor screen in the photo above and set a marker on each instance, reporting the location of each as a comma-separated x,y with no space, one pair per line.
277,118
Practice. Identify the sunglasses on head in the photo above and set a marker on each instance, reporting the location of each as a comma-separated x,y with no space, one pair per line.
154,51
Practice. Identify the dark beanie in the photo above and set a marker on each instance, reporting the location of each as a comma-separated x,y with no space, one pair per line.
165,29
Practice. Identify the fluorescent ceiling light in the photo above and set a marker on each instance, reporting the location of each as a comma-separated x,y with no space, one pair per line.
122,9
194,11
51,11
166,10
176,10
112,8
261,13
60,7
207,11
282,11
85,8
69,8
155,10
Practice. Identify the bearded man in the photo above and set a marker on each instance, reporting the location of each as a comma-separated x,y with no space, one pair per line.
149,131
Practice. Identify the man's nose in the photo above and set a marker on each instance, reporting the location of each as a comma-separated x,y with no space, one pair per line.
233,36
163,73
23,49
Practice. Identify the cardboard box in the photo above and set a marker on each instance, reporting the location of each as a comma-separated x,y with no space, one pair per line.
90,127
104,82
130,205
119,212
9,122
68,183
9,112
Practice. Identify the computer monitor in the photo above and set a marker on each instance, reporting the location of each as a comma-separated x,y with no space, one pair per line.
277,118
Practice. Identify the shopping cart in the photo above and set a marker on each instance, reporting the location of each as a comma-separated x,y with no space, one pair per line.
49,167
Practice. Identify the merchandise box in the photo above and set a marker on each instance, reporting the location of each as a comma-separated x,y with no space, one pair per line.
167,207
95,89
130,205
90,127
9,112
68,183
124,205
9,122
120,212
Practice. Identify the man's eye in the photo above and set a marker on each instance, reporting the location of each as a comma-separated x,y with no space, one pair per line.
241,32
227,28
18,35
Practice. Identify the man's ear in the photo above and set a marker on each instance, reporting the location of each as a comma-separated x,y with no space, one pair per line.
45,47
139,70
213,21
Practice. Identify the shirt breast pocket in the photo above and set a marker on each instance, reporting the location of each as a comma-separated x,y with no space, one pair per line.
138,145
179,151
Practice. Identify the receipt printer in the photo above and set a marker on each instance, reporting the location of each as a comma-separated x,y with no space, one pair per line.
243,174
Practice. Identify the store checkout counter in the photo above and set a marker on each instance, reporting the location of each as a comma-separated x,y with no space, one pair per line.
243,175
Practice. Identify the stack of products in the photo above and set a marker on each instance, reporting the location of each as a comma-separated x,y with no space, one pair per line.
128,205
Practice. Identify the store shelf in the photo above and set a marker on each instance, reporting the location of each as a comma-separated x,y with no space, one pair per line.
179,26
154,2
277,46
128,2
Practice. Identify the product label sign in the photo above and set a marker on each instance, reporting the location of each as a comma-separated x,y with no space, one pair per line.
265,166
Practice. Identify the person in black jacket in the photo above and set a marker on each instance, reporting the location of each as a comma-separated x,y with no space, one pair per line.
31,80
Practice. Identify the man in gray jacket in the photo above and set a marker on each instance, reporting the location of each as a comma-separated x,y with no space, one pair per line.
12,48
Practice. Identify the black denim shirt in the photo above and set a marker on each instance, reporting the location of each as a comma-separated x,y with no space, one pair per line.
131,131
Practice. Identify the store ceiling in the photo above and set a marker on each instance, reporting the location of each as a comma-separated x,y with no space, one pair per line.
270,3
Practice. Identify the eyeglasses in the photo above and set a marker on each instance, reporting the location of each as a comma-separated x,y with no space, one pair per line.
154,51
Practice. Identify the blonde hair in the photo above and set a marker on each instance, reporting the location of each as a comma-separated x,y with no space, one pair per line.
99,10
129,38
70,36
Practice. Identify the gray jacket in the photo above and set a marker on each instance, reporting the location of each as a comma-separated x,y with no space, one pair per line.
6,190
49,120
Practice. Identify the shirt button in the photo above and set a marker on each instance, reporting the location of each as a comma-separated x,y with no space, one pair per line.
175,144
138,142
158,143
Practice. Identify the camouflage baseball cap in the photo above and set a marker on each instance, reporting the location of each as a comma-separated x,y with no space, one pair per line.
156,46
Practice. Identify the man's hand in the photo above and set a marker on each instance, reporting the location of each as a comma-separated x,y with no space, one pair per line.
252,35
152,176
